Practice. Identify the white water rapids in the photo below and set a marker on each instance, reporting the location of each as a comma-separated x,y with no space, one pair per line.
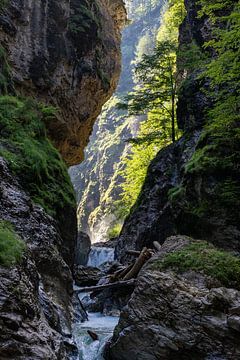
100,255
102,325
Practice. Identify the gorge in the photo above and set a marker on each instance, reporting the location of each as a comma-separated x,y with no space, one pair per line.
60,63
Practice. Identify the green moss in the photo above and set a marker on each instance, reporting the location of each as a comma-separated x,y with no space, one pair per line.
31,156
11,246
114,231
3,3
176,193
204,257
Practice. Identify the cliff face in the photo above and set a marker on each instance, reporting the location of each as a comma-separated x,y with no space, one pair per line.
186,301
65,54
97,179
178,195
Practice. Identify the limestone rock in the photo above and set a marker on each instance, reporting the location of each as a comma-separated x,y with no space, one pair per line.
68,56
87,276
177,316
82,249
35,304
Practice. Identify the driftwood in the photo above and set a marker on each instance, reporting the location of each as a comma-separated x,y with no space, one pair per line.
157,245
93,335
119,275
133,252
143,257
125,276
107,286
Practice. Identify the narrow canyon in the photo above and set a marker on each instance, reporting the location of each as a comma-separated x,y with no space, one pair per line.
119,180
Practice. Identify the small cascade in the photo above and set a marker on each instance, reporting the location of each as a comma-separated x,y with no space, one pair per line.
98,323
100,255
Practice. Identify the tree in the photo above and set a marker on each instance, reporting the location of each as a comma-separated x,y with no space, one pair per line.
157,89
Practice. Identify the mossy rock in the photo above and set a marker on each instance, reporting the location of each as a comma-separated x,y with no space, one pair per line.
30,155
201,256
11,245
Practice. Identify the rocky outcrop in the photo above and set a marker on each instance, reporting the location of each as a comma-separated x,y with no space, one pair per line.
82,249
65,54
35,306
87,276
181,194
174,315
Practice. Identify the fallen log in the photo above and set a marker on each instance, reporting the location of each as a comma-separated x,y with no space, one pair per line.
120,274
93,335
133,252
143,257
107,286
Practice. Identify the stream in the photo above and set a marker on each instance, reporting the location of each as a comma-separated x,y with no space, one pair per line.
100,324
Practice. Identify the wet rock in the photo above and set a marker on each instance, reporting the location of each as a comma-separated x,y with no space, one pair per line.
35,295
83,246
177,316
87,276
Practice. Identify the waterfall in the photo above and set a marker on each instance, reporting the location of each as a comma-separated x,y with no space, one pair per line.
100,255
102,325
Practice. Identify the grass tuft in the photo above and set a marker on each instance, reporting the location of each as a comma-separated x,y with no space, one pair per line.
11,246
204,257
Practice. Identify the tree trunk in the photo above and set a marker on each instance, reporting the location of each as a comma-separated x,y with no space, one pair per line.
143,257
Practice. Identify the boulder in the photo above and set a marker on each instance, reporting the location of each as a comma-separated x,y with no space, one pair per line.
86,276
82,249
174,315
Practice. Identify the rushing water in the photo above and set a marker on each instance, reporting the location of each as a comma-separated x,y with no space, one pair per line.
100,255
101,325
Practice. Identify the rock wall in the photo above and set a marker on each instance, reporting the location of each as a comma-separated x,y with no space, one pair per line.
66,54
174,200
35,306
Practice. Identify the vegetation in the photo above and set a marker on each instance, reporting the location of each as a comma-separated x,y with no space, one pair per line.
3,3
31,156
11,246
114,231
155,95
218,151
204,257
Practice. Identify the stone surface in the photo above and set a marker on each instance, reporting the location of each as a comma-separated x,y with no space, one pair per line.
66,54
177,316
87,276
35,303
82,249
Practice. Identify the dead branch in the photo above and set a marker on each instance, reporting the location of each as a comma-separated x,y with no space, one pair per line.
107,286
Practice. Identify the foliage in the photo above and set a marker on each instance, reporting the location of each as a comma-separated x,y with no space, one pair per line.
218,151
11,246
3,3
155,96
114,231
31,156
202,256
